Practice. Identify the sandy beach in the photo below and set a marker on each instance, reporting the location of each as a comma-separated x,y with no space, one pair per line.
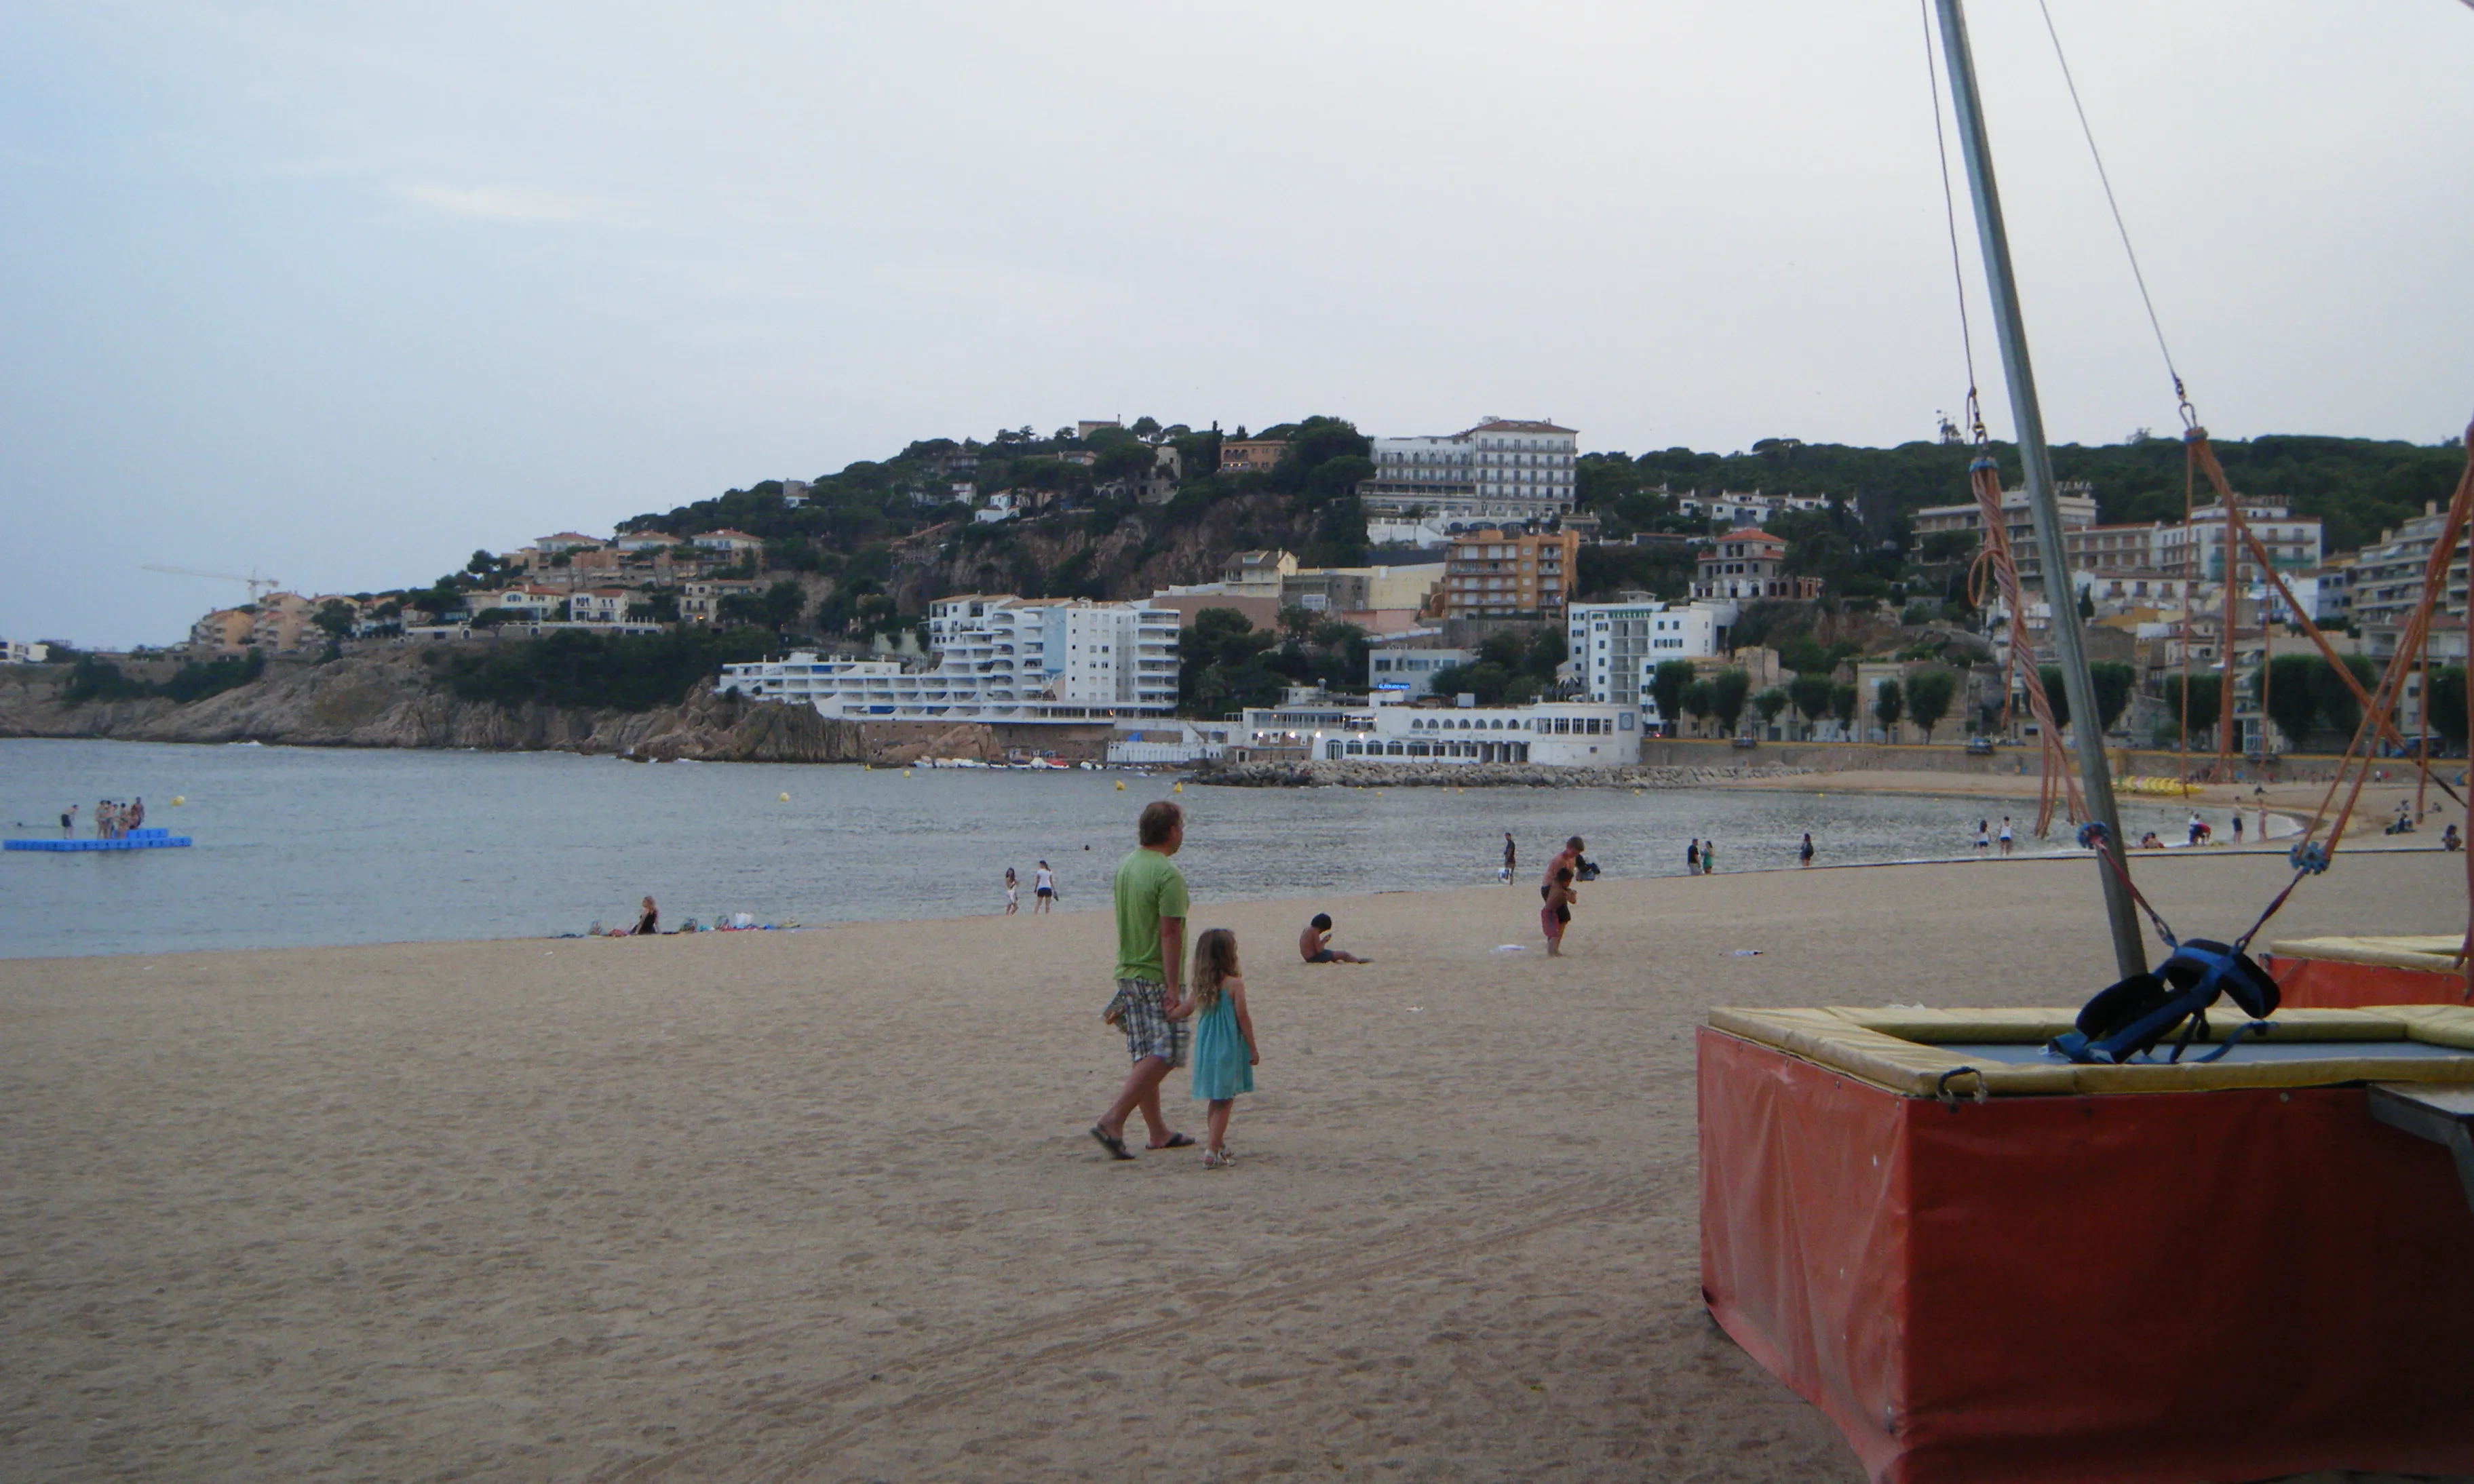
820,1205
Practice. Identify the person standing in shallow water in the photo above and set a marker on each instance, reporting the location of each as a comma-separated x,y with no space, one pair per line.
1511,858
1709,857
1803,852
1148,1006
1692,855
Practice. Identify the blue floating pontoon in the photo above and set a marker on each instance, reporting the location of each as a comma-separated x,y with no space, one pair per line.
134,839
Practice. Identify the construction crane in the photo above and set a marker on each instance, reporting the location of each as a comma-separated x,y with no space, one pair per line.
259,587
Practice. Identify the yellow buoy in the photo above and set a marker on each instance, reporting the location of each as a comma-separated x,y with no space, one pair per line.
906,772
786,799
180,798
1176,787
1120,785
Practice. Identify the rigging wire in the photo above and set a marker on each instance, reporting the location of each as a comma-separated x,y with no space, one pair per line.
2189,417
1950,217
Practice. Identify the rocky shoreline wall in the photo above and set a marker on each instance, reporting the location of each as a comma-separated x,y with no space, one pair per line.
1475,776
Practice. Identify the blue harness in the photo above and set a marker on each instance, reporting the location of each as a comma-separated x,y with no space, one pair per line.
2129,1018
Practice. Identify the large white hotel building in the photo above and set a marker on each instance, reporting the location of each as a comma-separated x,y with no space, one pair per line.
1502,471
997,659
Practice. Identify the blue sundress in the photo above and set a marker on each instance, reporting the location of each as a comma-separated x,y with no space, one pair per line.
1221,1066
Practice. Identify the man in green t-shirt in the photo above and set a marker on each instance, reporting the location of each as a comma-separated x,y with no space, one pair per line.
1150,1006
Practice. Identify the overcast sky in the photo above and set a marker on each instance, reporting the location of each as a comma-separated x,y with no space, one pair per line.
346,291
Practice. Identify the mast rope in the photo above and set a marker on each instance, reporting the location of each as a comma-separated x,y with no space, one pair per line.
1950,219
2190,415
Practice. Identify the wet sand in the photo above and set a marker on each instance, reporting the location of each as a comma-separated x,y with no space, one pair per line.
820,1205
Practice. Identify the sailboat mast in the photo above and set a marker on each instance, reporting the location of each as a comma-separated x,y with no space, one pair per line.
2130,952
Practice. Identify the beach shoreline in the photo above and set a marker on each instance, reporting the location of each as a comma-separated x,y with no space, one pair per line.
820,1204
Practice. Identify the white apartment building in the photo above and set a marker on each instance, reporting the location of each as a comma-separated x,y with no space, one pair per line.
600,605
2199,548
1397,674
1502,471
1616,646
1552,734
2076,498
2388,580
1745,509
997,659
16,651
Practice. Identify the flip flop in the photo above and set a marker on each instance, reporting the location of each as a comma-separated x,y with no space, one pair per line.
1174,1141
1114,1145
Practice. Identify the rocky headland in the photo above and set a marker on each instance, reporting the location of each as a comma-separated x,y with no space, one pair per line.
388,698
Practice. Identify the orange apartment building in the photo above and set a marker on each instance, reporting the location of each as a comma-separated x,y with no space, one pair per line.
1499,574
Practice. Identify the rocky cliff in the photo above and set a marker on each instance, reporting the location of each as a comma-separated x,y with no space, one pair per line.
385,699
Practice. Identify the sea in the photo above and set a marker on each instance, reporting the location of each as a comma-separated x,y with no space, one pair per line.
313,845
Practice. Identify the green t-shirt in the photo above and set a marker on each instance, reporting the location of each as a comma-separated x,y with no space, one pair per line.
1149,887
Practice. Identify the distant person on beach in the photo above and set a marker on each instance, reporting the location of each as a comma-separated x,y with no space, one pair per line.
2198,829
1013,892
2238,826
1149,1007
1043,889
1225,1051
1692,855
2005,838
68,821
1984,836
2450,839
1709,857
648,921
1314,944
1511,859
1556,910
1804,856
136,814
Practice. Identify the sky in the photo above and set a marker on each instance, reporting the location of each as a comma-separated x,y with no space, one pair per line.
342,292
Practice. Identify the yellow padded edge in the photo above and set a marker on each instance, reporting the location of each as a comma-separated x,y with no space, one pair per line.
2431,953
1876,1047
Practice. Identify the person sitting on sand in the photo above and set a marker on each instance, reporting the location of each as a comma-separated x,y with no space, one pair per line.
650,922
2450,839
1314,944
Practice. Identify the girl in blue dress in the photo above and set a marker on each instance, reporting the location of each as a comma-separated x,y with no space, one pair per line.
1225,1058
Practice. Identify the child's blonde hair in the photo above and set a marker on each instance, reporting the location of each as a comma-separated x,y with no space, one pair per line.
1215,958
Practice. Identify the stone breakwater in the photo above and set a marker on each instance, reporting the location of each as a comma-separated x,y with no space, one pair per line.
1479,775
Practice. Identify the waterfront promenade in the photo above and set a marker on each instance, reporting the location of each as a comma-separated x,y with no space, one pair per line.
820,1205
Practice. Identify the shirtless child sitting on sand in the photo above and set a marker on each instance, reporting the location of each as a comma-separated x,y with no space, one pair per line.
1314,944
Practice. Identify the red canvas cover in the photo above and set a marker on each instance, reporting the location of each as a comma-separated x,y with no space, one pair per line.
2324,983
2161,1287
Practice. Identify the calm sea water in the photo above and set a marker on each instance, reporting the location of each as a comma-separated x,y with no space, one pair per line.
323,846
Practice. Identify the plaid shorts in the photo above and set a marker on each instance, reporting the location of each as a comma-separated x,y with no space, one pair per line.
1149,1031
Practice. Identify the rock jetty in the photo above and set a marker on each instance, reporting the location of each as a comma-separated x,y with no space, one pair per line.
1475,775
